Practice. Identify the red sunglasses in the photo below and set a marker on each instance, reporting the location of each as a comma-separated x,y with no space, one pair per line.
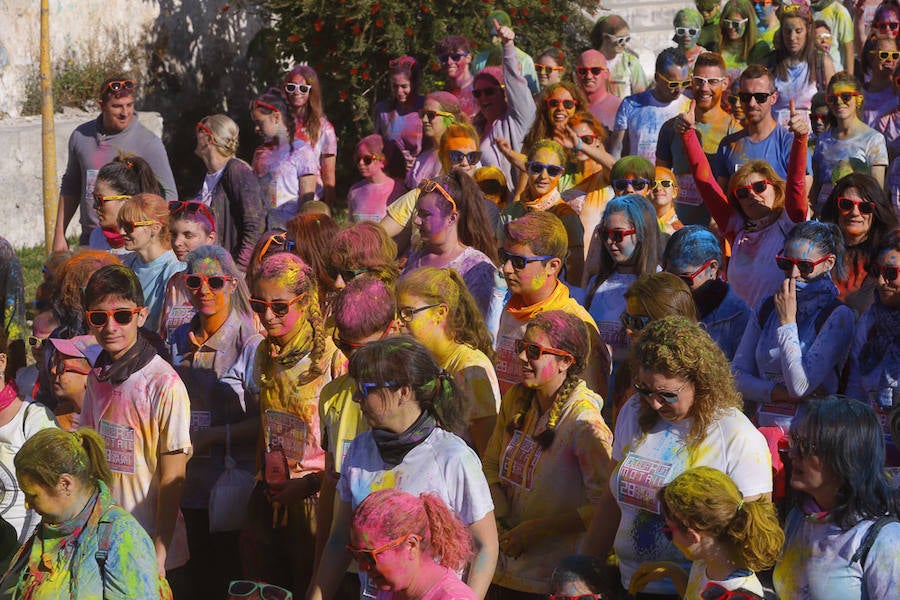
689,279
889,272
805,267
845,205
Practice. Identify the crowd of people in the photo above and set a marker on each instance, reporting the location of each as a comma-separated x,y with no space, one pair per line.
581,333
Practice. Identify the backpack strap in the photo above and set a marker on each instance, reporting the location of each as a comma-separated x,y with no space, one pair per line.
869,540
104,531
823,315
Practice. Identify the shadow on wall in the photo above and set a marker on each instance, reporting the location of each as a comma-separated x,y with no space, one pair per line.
202,58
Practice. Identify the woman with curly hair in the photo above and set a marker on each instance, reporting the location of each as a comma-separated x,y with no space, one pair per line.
361,248
548,460
686,413
411,545
413,407
303,93
436,308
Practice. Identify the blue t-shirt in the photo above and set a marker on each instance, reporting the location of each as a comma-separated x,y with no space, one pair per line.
738,148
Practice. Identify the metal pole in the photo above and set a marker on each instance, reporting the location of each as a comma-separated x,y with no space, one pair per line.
48,135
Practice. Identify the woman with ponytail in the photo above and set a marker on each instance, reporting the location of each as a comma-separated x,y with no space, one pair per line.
728,539
117,181
548,459
411,547
437,309
414,410
65,478
230,188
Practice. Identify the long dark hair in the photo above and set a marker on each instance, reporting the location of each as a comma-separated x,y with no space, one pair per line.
883,219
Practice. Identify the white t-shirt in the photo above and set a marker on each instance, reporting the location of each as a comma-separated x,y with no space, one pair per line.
12,436
646,462
697,581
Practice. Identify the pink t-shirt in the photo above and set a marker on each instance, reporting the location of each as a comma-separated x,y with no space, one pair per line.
448,587
368,201
146,416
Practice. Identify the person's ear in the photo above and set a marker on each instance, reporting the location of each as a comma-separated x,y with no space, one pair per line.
714,265
142,316
212,237
693,535
66,484
554,266
831,262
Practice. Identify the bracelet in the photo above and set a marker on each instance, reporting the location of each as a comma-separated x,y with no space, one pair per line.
579,145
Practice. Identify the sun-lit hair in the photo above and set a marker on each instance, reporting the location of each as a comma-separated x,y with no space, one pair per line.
311,115
205,255
543,126
586,118
50,453
541,231
107,94
365,245
845,79
569,333
148,207
128,174
710,59
453,43
748,40
455,130
392,513
73,277
297,278
365,307
551,145
638,166
313,234
404,361
808,54
679,347
225,134
465,325
473,225
825,237
449,103
691,246
609,24
763,169
708,501
662,295
199,217
557,55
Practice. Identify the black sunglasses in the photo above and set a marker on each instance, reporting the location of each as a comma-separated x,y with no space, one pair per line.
889,272
454,56
346,274
490,91
518,261
638,184
456,157
760,97
567,104
216,283
634,322
122,316
616,236
536,168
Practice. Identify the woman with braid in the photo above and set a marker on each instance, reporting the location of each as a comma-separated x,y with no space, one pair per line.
548,459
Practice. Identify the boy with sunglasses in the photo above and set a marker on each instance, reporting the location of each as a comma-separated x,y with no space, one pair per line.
137,402
642,115
455,57
97,142
533,253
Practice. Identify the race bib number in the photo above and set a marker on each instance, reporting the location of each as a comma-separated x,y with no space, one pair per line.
289,432
119,441
178,316
509,371
519,460
687,191
640,479
201,419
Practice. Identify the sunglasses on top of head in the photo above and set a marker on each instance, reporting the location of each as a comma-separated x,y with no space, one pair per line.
122,316
536,168
757,187
280,239
805,267
215,283
846,205
122,85
297,88
191,208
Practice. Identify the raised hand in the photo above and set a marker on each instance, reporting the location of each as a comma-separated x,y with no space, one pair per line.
506,34
798,123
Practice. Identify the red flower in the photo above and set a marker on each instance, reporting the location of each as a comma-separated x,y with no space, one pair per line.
293,38
354,71
365,75
379,23
424,8
409,31
557,44
563,18
225,8
512,11
356,30
318,25
525,11
375,8
344,95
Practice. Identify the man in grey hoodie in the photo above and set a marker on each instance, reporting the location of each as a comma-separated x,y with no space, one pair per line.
97,142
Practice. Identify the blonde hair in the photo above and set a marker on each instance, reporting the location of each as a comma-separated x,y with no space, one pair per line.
225,134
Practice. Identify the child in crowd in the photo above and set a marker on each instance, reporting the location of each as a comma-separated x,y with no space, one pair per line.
367,200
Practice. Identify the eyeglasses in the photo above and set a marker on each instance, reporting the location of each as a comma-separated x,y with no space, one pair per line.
122,85
347,275
757,187
61,367
257,103
885,54
429,115
734,23
760,97
488,91
889,272
588,140
456,157
129,226
368,159
618,41
430,185
348,347
663,183
535,351
711,81
616,236
536,168
203,128
690,31
675,85
844,97
122,316
666,396
817,118
622,185
885,25
408,313
689,279
866,207
367,559
279,238
446,57
634,322
215,283
191,208
787,264
578,597
243,588
547,69
518,261
595,71
800,446
297,88
100,200
279,308
715,591
567,104
36,342
364,387
823,37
